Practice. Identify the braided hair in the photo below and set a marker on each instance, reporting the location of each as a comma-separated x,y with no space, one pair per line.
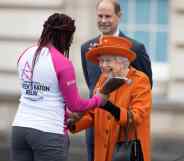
58,30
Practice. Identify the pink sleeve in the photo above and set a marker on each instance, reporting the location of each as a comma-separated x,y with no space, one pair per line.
67,85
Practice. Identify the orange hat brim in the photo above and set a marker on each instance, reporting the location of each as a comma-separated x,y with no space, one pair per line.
94,53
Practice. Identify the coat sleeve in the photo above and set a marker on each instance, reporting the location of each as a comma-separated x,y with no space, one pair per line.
140,104
85,122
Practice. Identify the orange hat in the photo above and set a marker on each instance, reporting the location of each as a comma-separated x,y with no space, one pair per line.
111,45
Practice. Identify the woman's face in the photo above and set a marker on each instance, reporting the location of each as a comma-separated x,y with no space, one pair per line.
110,65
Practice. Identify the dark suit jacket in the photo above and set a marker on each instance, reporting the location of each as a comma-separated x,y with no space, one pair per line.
92,71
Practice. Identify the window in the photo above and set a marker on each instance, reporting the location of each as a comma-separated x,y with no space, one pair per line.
147,22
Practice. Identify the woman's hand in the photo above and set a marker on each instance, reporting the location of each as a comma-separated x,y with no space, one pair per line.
72,119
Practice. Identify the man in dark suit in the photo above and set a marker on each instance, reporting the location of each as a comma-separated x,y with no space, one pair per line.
108,18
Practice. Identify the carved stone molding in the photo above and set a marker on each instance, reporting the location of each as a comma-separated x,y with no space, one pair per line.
31,4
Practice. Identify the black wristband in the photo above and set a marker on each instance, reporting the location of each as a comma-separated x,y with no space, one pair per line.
113,109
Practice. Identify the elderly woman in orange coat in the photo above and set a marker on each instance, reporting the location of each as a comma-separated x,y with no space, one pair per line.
114,56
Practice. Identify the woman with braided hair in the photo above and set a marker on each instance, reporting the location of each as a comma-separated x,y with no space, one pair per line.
48,88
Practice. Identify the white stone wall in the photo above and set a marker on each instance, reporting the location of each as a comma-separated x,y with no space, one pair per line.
21,25
176,58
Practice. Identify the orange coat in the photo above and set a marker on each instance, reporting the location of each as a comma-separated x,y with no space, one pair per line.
136,96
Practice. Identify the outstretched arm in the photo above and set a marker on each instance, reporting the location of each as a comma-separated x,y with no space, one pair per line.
69,90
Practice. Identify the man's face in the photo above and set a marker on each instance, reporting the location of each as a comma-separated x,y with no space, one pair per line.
107,19
109,65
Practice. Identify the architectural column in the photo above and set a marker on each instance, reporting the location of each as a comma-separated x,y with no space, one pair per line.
176,48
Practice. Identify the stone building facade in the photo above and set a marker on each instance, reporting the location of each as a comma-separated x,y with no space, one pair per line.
21,24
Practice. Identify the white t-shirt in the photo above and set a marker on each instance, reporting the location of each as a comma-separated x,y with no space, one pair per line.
41,105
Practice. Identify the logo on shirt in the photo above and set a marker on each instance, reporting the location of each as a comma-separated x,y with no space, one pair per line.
70,82
26,72
32,89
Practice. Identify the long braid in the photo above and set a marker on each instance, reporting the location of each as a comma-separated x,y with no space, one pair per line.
57,30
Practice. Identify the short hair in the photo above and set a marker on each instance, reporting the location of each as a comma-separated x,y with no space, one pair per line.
117,7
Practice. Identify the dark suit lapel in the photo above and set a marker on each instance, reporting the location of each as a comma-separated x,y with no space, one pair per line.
96,40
